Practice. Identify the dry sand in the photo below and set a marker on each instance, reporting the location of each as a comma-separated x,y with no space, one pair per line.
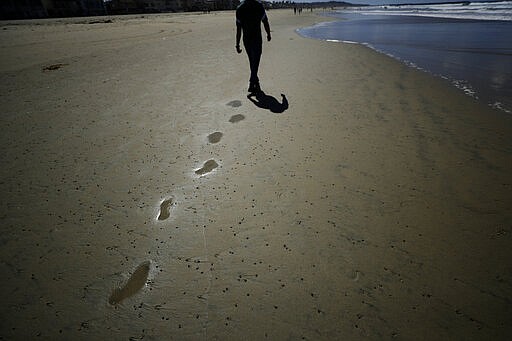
370,201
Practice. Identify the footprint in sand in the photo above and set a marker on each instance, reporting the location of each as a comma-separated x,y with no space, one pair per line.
215,137
207,167
235,104
236,118
136,282
165,207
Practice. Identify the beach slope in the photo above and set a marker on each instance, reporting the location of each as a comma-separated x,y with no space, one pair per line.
144,196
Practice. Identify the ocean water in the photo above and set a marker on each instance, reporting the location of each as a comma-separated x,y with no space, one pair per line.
468,44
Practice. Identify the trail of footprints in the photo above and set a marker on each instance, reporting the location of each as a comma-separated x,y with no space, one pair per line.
209,165
140,275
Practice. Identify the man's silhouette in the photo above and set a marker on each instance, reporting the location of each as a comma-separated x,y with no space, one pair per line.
249,16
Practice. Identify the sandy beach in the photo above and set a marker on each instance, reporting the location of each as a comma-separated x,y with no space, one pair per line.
144,196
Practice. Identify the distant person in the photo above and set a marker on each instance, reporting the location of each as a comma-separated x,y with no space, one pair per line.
249,16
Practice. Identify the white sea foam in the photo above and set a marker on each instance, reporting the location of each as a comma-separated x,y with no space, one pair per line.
474,10
343,41
499,106
465,87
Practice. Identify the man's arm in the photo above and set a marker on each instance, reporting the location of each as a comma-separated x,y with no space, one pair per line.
266,25
238,36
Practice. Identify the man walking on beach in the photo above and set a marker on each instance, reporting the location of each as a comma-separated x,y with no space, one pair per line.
249,16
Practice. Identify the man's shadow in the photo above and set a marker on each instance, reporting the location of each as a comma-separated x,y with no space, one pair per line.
264,101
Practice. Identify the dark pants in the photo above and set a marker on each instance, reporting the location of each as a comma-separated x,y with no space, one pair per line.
254,49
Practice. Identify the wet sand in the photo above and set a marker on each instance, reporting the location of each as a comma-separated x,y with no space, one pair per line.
145,197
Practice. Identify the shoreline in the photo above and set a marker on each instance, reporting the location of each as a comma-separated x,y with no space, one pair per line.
474,86
145,196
